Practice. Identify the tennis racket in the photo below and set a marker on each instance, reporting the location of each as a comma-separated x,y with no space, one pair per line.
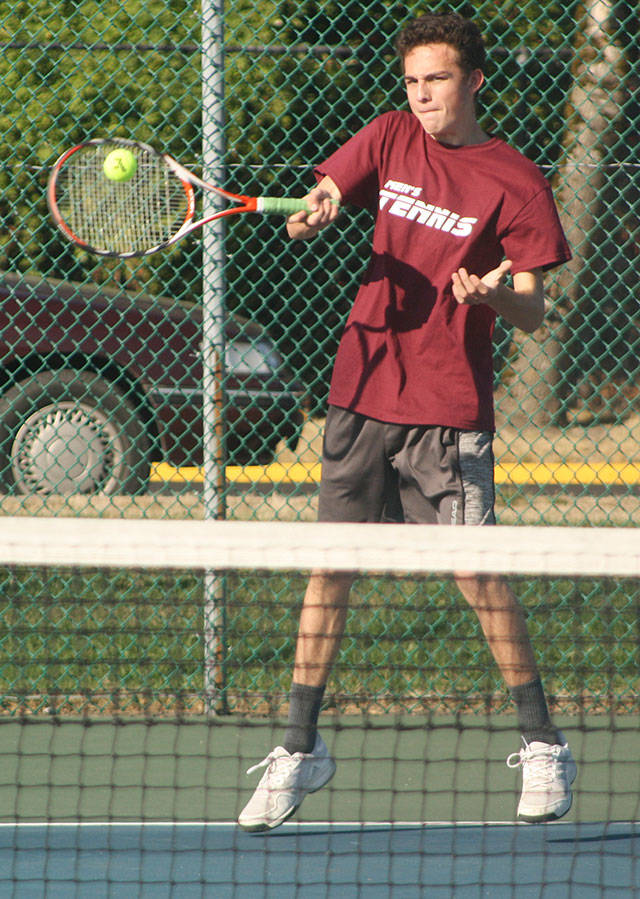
149,211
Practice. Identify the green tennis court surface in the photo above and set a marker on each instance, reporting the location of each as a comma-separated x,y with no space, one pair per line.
418,806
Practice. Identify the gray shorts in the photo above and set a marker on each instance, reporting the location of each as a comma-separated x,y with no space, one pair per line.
373,471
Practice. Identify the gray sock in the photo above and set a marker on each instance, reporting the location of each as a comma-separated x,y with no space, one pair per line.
302,726
533,713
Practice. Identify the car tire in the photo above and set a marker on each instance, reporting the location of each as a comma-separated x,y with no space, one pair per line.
64,432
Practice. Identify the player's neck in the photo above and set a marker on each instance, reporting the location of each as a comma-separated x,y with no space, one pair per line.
462,136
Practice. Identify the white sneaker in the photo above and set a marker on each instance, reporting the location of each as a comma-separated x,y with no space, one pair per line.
547,774
284,785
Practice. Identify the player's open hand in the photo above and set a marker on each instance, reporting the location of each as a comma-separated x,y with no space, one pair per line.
470,289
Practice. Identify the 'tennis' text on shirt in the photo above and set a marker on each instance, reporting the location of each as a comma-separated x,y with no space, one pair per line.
404,201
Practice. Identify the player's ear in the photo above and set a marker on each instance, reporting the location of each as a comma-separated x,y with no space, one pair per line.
476,80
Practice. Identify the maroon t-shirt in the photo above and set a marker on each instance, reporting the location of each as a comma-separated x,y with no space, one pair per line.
410,353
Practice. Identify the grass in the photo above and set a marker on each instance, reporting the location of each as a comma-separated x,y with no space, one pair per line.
131,642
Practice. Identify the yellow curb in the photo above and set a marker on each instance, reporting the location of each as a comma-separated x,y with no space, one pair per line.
602,474
516,473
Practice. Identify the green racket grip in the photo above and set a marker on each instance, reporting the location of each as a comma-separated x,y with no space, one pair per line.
283,205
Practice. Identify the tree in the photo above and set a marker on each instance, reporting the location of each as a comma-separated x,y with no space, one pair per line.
539,385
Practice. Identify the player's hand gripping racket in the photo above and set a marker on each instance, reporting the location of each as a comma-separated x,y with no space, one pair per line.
141,210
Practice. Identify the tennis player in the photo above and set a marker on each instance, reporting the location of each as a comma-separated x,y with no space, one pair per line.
409,429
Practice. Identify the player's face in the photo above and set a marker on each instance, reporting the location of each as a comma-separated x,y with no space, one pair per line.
441,93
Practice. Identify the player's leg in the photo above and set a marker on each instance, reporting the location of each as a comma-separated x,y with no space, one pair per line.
548,768
302,764
460,486
321,626
503,624
355,478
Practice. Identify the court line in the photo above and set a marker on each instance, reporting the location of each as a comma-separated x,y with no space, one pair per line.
302,825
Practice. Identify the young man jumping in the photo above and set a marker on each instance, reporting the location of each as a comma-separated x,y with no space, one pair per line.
409,429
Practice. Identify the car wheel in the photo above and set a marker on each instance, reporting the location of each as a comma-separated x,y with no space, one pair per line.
71,432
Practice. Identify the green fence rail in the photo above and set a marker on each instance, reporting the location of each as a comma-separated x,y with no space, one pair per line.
101,359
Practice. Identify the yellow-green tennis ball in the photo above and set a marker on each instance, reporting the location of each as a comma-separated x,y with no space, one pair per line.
120,164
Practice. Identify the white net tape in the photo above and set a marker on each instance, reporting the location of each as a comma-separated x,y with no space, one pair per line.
224,545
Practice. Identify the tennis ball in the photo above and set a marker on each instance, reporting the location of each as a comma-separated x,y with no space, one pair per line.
120,164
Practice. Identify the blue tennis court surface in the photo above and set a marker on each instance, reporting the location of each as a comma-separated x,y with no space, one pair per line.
320,860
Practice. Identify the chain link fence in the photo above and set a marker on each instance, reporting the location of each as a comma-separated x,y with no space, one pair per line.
101,360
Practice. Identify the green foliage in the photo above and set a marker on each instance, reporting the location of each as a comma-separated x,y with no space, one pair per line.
71,71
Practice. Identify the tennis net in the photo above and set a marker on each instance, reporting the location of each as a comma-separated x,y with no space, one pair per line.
145,666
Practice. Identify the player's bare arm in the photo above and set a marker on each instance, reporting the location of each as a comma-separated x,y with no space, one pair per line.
522,305
324,200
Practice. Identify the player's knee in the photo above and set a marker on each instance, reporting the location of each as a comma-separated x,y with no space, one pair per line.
484,591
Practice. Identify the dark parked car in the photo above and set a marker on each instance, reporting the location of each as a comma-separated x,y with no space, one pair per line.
96,384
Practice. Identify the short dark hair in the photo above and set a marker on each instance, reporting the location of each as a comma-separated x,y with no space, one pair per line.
444,28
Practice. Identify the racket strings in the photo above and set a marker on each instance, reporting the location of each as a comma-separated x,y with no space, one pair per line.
123,217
